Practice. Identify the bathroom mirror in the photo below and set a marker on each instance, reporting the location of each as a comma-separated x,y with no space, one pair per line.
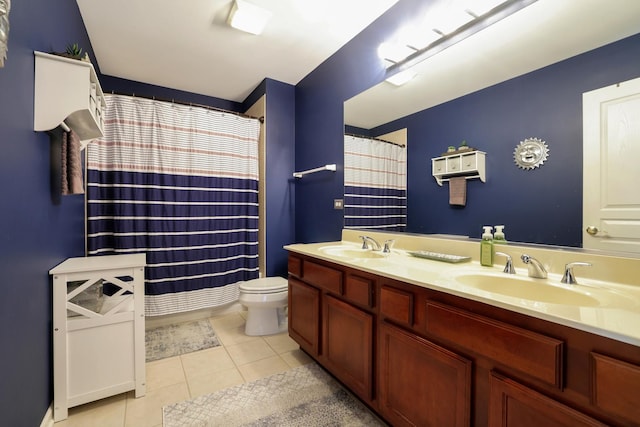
505,105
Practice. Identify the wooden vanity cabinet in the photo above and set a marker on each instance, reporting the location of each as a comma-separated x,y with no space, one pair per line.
304,316
330,316
421,383
439,359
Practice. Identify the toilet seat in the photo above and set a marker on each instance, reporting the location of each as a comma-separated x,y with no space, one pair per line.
265,285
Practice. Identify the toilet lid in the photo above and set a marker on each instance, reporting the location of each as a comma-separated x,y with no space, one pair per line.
265,285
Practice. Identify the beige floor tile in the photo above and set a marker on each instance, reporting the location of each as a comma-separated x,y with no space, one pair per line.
296,358
109,412
263,368
164,372
212,382
281,343
147,411
206,362
250,351
234,335
230,321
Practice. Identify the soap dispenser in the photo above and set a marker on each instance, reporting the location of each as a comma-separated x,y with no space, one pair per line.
486,247
498,236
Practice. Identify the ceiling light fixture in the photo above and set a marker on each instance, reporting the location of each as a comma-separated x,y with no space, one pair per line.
248,17
480,14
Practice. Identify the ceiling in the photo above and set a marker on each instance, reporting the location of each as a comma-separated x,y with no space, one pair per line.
539,35
187,45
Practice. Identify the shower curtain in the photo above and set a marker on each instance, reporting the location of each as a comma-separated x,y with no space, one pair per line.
179,183
375,184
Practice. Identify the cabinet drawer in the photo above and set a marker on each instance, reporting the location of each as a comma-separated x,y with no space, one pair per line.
528,352
294,266
359,290
453,164
614,386
396,305
322,276
469,162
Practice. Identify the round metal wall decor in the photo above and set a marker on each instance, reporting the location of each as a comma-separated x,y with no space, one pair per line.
531,153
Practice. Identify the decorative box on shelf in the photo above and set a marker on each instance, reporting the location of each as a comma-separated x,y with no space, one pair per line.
469,164
98,329
67,90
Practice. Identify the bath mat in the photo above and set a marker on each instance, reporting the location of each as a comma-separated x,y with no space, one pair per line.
181,338
303,396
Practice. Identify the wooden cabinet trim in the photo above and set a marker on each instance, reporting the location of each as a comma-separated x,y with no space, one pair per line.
359,290
615,386
531,353
294,266
397,305
511,404
327,278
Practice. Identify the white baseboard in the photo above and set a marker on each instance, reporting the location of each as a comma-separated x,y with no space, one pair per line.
47,421
190,316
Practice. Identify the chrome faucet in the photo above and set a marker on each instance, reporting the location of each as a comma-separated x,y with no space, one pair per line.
388,244
568,276
508,268
536,269
374,244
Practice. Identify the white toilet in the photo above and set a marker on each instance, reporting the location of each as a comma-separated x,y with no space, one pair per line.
266,302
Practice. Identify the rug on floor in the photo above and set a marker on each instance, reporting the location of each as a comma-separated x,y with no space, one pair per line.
303,396
180,338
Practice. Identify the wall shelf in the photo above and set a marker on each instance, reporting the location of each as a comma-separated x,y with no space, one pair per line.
469,164
67,93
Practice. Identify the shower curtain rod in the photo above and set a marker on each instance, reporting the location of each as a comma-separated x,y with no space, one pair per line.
191,104
375,139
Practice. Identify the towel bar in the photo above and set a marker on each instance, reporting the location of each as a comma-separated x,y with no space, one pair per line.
331,167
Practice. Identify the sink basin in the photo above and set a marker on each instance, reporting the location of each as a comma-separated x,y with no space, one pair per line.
545,291
351,252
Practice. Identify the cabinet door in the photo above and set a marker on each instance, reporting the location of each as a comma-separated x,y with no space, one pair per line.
347,345
304,315
422,384
513,405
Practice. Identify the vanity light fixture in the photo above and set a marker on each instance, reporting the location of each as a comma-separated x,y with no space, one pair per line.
472,17
248,17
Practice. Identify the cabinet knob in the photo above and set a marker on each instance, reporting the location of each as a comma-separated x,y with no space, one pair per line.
592,230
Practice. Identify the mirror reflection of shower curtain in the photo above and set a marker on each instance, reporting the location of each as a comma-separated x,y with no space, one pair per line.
180,184
375,184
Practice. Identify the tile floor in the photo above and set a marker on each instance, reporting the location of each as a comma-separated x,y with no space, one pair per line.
239,359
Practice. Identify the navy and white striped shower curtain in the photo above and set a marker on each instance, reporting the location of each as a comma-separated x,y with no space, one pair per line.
375,184
180,184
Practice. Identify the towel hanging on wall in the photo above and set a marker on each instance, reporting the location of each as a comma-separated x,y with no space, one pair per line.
458,191
71,165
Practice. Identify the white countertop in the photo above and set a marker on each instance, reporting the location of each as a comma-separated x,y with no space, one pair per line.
622,324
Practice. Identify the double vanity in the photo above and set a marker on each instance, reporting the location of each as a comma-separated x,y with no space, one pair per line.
426,342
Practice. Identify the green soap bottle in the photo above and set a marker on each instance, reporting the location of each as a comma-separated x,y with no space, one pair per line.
498,236
486,247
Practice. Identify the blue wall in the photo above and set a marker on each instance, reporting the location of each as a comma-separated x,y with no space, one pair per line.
541,206
319,121
35,234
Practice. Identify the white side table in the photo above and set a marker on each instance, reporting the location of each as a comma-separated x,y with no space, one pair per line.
98,339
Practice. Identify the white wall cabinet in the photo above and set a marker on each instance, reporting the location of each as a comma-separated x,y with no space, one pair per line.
98,329
67,90
469,164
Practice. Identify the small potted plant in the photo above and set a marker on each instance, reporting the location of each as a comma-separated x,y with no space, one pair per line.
74,51
463,146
